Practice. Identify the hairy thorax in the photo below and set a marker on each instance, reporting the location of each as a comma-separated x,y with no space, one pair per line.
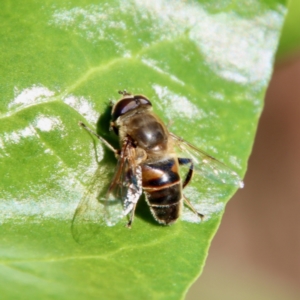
147,131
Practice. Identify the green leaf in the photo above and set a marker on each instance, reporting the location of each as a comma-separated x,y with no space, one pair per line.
290,35
205,66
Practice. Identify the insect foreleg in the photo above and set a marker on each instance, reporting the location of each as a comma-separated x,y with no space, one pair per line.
189,175
105,142
128,225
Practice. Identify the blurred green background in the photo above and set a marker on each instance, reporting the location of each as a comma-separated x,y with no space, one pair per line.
255,254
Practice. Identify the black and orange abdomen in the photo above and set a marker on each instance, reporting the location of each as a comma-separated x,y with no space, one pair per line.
162,186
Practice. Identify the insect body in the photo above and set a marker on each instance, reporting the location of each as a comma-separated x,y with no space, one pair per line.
147,161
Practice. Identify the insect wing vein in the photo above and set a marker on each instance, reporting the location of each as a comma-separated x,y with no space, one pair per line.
126,187
205,165
90,212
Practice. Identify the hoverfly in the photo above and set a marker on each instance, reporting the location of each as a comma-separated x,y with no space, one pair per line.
148,162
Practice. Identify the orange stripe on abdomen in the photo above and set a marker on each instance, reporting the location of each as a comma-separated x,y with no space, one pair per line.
163,190
160,174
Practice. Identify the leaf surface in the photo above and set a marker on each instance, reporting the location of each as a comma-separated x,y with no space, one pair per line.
289,42
205,65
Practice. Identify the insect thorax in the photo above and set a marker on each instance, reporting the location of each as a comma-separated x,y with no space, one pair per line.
147,131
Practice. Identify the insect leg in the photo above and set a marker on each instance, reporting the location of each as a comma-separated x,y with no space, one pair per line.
106,143
185,161
128,225
193,209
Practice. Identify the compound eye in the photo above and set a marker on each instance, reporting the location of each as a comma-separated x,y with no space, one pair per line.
142,100
122,107
128,104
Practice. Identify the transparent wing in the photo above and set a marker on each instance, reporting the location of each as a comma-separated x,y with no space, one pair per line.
206,165
207,197
125,186
90,212
104,203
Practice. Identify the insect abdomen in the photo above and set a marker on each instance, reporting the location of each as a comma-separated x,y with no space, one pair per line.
162,186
